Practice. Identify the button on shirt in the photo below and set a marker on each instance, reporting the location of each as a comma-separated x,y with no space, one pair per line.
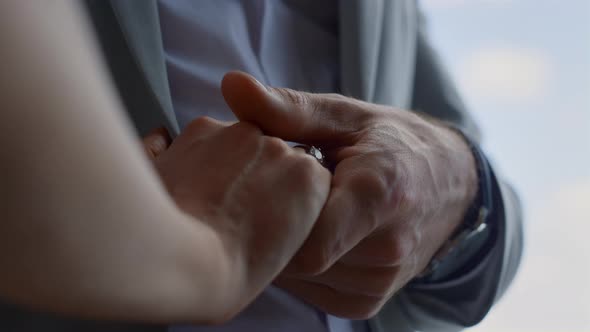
285,43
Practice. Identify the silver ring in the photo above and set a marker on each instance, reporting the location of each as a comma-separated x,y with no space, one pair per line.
314,152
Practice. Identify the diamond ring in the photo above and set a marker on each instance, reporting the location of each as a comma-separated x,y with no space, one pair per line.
314,152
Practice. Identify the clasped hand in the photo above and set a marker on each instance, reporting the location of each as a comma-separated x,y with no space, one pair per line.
344,242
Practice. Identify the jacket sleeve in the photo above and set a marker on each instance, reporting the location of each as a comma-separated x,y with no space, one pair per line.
464,299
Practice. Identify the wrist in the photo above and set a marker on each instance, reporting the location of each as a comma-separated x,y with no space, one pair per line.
201,273
466,169
459,166
472,233
461,174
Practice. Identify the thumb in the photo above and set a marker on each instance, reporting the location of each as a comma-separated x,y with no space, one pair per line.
289,114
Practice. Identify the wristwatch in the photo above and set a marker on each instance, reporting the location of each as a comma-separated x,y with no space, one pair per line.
467,242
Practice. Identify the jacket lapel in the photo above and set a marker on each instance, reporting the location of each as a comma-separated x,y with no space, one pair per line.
130,35
140,25
377,50
360,29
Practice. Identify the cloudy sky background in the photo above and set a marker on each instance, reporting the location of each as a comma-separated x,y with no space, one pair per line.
523,67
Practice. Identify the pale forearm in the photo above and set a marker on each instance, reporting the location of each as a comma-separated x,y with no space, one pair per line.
86,228
95,268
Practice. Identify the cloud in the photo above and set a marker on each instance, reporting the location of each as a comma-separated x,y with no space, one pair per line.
575,198
504,74
552,290
567,214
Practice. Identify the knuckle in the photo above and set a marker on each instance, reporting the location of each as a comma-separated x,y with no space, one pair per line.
275,147
294,97
246,129
372,191
314,264
392,253
373,187
396,250
361,111
376,185
201,123
248,135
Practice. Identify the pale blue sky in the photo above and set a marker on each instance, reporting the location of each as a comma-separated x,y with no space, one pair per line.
523,67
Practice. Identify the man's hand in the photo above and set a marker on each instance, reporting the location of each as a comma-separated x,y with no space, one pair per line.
259,196
401,185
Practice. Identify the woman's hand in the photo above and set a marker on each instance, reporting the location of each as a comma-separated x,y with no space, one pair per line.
260,197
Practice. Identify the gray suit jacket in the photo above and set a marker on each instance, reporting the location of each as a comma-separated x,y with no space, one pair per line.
385,59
